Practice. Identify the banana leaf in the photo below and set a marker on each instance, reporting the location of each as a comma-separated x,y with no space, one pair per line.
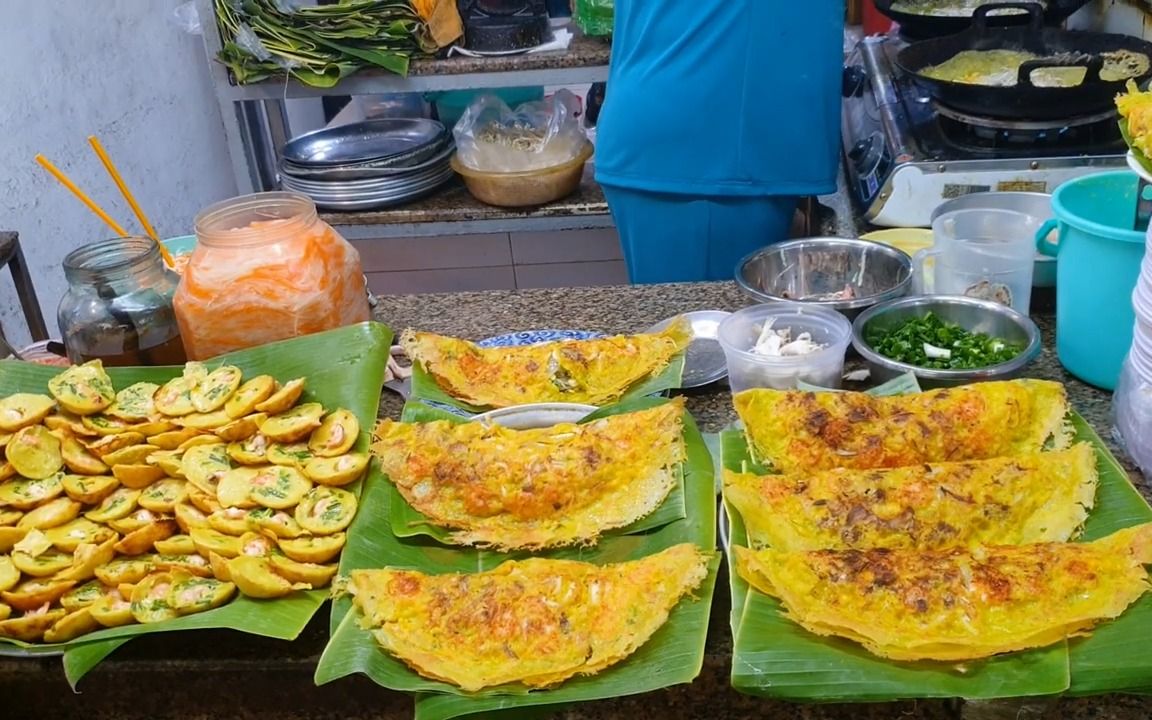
424,386
344,368
407,521
318,47
1114,658
899,385
773,656
673,655
1136,152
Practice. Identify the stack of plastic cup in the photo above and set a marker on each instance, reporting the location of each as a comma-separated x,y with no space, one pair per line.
1132,401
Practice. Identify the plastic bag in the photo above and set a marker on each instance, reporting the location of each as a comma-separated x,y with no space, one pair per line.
491,137
595,17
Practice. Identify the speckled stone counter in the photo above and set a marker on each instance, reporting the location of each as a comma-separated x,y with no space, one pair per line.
227,675
583,51
455,204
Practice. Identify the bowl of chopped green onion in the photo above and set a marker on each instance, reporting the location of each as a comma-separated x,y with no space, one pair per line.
945,340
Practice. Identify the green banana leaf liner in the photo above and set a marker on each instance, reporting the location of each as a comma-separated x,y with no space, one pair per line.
775,657
343,367
673,655
1141,158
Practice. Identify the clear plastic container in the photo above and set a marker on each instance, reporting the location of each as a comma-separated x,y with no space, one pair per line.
1132,415
739,331
266,268
1140,359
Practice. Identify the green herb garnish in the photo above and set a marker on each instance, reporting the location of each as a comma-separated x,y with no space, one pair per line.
930,342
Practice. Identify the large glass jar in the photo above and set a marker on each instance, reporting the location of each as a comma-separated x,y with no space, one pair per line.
266,268
118,307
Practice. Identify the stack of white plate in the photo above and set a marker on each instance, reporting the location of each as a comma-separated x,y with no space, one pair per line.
1132,401
369,165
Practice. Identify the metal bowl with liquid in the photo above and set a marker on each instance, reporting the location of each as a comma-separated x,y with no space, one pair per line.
844,274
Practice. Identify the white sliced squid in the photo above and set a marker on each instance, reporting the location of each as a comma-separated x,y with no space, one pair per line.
779,343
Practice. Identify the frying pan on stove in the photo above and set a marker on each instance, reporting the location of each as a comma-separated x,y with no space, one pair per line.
1023,101
918,26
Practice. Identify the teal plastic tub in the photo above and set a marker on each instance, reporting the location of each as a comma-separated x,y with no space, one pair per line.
180,245
1098,263
451,104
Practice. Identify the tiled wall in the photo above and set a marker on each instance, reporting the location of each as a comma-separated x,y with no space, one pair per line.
499,261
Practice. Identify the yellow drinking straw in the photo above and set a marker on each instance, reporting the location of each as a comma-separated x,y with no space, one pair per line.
128,196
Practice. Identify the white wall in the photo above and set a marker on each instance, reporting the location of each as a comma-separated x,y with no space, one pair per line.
120,70
1116,16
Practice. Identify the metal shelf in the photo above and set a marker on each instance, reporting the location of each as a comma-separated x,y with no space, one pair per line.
256,126
585,61
453,211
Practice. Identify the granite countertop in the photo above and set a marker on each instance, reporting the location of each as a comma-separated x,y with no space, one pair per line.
219,674
583,51
455,204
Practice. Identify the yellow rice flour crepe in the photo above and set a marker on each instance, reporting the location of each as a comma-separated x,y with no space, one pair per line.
536,622
955,604
544,487
800,431
1036,497
596,371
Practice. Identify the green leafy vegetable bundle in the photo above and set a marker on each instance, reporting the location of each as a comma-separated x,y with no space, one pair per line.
319,45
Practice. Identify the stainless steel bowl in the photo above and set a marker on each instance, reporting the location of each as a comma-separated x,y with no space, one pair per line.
969,313
796,270
1038,205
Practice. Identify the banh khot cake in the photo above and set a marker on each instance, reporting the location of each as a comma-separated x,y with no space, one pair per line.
595,371
958,603
1035,497
123,505
536,622
803,431
542,487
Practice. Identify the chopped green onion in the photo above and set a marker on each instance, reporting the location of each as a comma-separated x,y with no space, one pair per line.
930,342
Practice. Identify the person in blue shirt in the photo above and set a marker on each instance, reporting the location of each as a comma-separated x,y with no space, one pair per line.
719,116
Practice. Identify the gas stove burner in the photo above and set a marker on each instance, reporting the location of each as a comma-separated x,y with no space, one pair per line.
904,155
984,121
1076,135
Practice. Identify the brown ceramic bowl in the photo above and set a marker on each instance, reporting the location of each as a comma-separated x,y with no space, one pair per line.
526,188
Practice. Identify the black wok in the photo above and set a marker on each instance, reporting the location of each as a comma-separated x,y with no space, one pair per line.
919,27
1023,101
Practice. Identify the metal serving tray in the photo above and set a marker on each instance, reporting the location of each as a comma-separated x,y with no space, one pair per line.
368,141
349,173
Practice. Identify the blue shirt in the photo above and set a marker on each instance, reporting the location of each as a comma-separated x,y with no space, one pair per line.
723,97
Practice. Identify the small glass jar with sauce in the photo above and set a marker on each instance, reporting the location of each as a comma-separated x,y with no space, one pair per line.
266,268
118,307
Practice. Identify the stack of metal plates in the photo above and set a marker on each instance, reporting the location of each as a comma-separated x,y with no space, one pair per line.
368,165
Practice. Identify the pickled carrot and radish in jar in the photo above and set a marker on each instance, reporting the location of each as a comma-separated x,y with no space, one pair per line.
266,268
